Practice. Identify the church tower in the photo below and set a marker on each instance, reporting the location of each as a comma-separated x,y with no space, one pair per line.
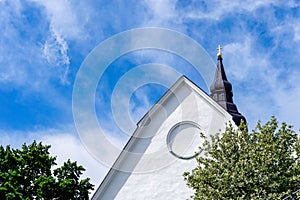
221,91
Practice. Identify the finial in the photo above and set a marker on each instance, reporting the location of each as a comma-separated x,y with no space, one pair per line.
219,51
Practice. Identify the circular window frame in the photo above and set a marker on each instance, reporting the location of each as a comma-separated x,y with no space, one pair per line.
169,137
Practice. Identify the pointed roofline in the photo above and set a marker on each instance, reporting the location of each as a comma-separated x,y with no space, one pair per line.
169,92
145,120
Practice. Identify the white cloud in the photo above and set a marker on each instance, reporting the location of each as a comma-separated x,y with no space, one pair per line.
258,83
55,51
22,57
9,43
163,13
217,8
162,9
286,97
63,20
297,31
239,58
65,24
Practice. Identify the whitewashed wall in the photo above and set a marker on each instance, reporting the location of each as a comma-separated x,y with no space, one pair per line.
158,173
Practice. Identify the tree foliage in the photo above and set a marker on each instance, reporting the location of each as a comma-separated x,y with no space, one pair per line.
28,173
263,164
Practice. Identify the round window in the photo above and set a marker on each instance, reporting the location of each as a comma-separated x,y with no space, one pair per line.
184,140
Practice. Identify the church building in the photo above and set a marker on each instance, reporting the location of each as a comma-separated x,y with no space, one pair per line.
166,140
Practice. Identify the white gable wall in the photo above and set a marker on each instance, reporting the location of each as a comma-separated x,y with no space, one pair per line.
157,174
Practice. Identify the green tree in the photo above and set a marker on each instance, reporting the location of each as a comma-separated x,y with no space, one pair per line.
28,173
263,164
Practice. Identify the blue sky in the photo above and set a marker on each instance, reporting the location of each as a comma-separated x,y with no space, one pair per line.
43,43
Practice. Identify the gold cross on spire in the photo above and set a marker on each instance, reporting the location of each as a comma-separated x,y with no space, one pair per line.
219,51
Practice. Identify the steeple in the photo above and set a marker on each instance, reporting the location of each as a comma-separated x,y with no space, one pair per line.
221,91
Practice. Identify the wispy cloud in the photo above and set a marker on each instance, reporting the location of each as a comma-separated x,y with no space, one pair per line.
297,32
161,12
63,20
22,59
55,51
263,87
64,25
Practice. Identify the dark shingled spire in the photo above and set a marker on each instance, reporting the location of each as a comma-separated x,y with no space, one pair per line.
221,91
